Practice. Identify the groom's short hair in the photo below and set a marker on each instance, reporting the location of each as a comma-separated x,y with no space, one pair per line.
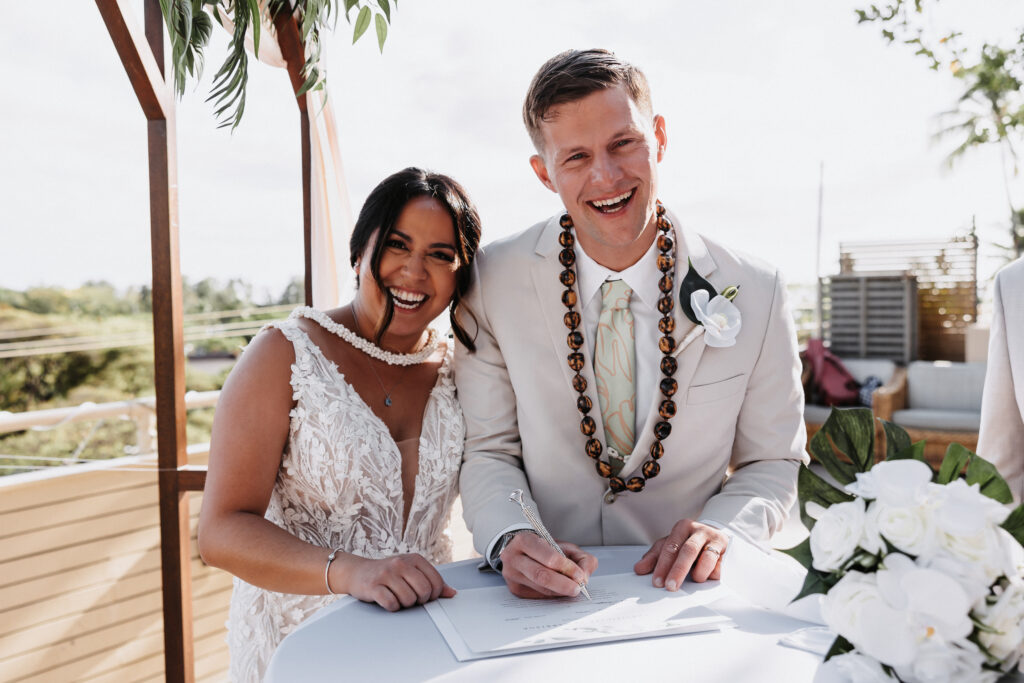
572,75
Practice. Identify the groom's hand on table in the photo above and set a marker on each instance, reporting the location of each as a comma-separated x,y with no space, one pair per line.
533,569
691,547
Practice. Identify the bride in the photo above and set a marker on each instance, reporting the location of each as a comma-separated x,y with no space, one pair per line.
338,436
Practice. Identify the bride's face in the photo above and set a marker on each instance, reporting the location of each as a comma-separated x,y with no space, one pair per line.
417,268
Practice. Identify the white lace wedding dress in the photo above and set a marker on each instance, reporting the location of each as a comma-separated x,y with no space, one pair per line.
340,486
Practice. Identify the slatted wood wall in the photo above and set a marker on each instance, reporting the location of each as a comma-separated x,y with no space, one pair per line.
870,316
80,594
946,273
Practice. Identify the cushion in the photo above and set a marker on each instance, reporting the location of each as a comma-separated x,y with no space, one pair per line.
816,415
939,420
862,368
943,385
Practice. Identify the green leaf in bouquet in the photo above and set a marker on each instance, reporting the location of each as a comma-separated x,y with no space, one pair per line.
953,463
815,582
840,646
851,432
812,487
821,449
1015,524
983,473
896,439
693,281
914,451
801,553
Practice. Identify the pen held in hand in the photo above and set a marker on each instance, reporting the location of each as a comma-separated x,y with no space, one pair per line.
538,526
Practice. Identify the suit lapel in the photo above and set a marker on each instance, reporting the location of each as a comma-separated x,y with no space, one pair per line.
549,291
689,245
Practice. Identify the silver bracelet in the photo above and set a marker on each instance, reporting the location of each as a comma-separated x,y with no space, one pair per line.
327,569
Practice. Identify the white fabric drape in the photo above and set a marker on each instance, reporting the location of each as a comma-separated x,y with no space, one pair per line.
331,210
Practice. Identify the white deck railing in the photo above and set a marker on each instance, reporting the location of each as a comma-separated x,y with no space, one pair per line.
142,411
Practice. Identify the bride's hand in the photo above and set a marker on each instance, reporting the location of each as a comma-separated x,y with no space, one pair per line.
393,582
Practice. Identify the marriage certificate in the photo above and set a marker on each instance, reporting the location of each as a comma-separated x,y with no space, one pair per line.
488,622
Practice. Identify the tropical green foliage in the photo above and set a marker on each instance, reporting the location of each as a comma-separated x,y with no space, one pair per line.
990,111
189,25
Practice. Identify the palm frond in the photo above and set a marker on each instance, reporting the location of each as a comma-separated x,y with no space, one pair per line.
189,25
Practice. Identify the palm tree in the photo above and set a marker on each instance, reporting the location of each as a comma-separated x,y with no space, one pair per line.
991,111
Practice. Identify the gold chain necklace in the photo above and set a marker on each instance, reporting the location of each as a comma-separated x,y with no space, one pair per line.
667,344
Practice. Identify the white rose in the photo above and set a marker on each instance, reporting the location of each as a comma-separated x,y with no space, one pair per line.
852,667
895,482
967,527
939,662
961,506
719,316
836,533
983,548
871,538
909,528
1005,618
854,608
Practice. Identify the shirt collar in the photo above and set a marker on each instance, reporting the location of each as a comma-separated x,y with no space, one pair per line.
642,277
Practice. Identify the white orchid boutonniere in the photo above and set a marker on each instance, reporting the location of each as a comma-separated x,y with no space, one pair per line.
712,312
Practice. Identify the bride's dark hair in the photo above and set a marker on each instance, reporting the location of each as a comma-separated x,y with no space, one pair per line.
379,214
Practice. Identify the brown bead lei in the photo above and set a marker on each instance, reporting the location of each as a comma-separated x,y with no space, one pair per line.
576,359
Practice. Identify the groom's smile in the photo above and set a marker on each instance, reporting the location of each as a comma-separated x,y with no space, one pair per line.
614,204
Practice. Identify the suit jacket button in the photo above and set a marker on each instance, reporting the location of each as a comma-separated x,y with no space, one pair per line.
609,497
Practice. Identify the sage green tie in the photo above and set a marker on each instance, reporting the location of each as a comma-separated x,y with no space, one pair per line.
614,370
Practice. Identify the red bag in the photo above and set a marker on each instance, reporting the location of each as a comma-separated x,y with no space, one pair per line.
830,384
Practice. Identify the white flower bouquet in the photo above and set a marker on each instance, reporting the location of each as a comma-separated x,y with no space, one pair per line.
922,571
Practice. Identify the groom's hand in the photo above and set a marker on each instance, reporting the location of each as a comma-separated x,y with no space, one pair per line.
533,569
689,546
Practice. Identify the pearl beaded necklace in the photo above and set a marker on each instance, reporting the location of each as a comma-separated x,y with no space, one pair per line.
368,347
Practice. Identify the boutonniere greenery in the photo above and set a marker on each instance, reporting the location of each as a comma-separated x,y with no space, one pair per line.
712,311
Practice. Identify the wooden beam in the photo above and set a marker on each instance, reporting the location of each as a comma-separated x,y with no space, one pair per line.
144,70
141,50
191,478
289,38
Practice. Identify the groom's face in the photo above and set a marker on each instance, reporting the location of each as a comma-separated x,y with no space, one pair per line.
601,156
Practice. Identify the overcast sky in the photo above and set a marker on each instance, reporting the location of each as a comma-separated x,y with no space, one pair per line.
756,95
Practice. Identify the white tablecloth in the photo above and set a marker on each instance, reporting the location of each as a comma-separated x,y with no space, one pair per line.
355,641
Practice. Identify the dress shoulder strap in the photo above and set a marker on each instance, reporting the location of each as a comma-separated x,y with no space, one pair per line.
306,352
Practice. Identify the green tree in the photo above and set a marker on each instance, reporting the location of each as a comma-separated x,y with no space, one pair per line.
990,111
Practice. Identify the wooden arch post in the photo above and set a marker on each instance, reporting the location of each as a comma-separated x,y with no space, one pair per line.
141,50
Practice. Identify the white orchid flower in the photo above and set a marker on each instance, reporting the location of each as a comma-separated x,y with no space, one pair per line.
719,317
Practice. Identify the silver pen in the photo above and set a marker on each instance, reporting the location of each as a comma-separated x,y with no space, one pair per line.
538,526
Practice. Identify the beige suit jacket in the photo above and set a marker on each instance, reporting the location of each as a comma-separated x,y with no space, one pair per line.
740,409
1001,439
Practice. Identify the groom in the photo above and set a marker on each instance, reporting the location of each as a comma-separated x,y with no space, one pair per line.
583,392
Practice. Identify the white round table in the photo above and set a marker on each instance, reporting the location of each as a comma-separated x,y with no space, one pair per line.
355,641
